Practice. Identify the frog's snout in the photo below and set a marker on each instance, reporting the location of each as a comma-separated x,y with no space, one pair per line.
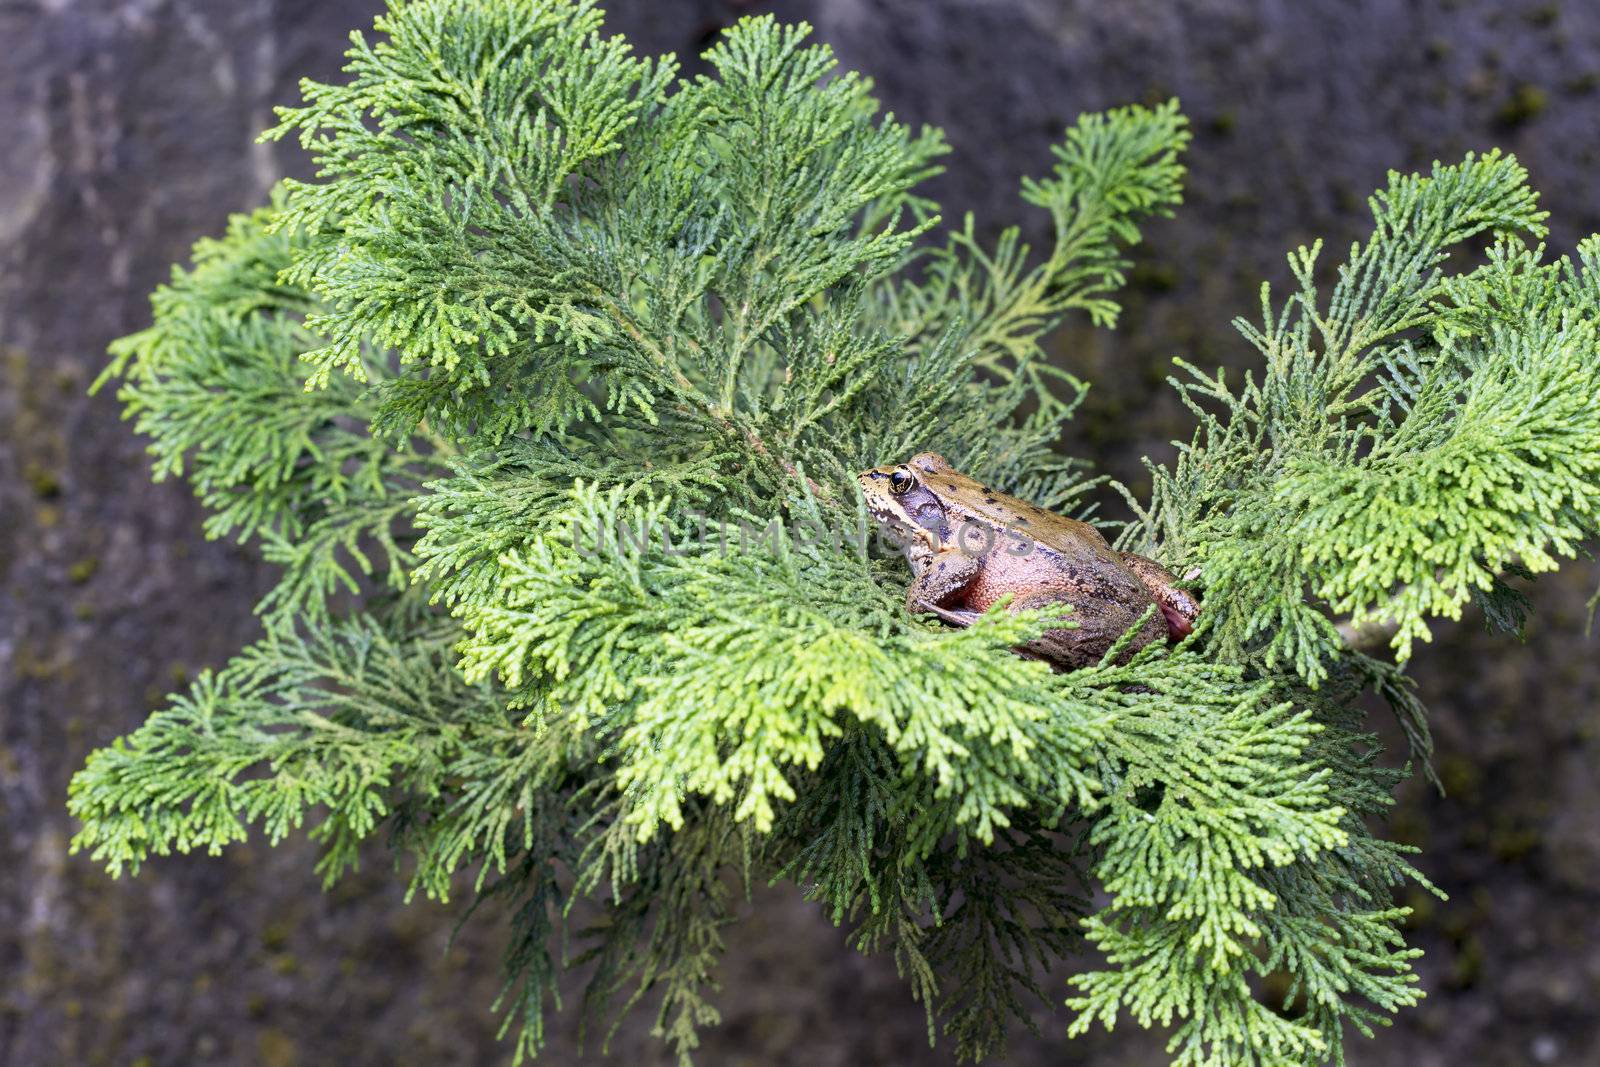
867,478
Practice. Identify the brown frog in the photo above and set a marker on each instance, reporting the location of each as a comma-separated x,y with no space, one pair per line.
969,545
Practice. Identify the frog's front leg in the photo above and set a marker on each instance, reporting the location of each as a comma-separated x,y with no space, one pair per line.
942,581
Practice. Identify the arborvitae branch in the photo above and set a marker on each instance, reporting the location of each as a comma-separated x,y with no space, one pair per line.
548,396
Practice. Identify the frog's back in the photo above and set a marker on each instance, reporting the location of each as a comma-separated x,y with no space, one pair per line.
1069,538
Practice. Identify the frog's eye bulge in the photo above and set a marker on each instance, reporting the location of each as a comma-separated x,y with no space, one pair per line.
900,483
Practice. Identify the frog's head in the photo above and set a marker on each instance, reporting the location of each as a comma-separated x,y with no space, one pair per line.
900,497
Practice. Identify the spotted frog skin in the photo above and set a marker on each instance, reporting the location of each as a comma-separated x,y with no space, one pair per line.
969,545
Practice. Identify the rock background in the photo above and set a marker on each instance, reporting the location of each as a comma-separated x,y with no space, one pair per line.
128,131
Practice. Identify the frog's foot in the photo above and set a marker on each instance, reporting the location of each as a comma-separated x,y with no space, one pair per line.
1178,607
953,616
1179,625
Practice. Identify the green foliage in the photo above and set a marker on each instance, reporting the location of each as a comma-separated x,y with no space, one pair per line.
1406,445
218,385
1236,846
730,670
548,395
353,719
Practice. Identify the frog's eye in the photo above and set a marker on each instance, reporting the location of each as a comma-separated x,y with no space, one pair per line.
900,483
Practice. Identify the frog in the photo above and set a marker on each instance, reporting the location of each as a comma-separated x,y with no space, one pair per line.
970,545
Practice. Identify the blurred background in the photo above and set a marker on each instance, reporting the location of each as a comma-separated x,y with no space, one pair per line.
127,130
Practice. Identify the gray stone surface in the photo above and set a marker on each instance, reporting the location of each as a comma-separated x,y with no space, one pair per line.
128,131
